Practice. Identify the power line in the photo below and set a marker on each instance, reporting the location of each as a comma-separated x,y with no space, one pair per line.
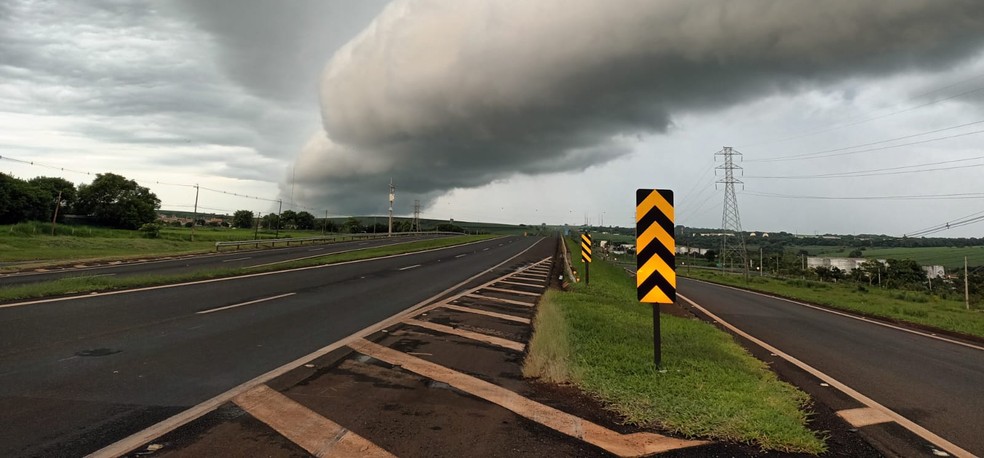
962,221
823,153
874,118
958,196
874,172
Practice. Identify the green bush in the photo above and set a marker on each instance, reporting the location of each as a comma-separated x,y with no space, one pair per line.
151,230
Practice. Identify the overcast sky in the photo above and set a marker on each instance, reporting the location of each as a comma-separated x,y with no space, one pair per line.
511,111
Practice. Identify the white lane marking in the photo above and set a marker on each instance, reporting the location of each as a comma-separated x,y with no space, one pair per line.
485,249
366,243
244,303
902,421
411,267
848,315
150,433
238,259
325,254
316,249
460,256
97,275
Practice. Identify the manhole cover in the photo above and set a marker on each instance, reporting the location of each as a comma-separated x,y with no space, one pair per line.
97,352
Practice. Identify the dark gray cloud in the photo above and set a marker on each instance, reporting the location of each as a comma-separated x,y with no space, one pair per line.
445,95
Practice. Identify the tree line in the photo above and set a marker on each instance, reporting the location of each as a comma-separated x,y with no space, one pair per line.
110,200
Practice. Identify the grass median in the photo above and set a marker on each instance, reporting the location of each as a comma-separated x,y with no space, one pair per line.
895,305
599,338
89,284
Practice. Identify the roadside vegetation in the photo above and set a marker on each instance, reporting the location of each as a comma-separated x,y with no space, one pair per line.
920,307
89,284
599,338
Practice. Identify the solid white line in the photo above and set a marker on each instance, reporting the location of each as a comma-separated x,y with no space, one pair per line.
411,267
486,249
326,254
152,432
316,249
244,303
238,277
848,315
97,275
238,259
460,256
902,421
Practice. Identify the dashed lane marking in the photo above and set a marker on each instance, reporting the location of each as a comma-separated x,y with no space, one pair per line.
411,267
512,291
503,316
638,444
460,256
499,299
312,432
863,416
491,340
218,309
237,259
924,433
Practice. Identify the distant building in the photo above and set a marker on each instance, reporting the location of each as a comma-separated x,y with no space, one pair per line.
844,264
680,249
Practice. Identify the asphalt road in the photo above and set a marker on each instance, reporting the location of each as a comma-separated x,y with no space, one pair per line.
185,264
76,375
937,384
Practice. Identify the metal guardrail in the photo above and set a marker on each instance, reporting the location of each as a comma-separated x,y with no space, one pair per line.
335,238
567,261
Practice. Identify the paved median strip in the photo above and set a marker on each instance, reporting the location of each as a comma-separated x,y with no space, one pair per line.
638,444
491,340
219,309
312,432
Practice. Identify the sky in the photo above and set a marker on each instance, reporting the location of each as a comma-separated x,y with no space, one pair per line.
850,116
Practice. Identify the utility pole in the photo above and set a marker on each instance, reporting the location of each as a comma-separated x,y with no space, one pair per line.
324,227
730,220
966,285
55,218
194,218
761,263
280,211
416,216
256,230
392,196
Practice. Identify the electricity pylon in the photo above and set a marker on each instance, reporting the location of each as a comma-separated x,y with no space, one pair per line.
732,239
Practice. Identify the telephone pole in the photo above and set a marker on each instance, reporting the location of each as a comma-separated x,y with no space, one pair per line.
194,218
966,285
392,197
732,240
55,218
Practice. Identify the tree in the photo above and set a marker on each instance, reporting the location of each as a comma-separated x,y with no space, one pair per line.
352,225
304,220
19,201
288,219
242,219
270,221
51,187
118,202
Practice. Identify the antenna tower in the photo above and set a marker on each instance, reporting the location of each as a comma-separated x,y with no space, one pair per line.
732,239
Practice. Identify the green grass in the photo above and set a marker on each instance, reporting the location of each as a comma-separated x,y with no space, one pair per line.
87,284
949,257
907,306
600,338
34,242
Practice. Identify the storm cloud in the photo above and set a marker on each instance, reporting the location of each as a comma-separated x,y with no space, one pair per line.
443,95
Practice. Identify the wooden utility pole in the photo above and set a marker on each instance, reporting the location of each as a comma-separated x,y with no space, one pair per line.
55,218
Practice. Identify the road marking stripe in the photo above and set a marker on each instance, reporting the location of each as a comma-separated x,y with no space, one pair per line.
531,276
302,258
237,277
218,309
848,315
317,249
304,427
411,267
238,259
491,340
904,422
180,419
499,299
485,249
97,275
512,291
637,444
503,316
863,416
460,256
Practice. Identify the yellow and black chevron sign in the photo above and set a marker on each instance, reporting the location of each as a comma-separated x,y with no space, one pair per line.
655,246
585,247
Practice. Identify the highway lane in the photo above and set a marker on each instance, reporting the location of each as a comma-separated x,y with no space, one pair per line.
190,263
937,384
76,375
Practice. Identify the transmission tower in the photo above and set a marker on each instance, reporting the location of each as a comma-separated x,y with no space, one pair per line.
732,240
416,216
